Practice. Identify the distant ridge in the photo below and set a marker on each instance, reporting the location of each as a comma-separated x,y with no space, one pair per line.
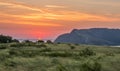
93,36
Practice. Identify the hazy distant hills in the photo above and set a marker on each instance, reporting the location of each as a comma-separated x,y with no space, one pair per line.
94,36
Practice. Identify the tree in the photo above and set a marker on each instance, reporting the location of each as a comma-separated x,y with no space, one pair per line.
87,52
5,39
15,40
27,41
40,41
49,42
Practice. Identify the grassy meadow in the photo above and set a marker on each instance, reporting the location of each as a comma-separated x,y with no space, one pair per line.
58,57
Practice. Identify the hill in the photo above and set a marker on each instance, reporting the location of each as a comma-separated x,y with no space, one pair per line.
94,36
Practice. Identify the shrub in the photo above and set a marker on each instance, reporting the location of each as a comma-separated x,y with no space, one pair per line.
49,42
69,44
4,56
60,67
22,44
90,66
3,46
28,53
86,52
77,44
59,43
27,41
46,50
17,45
10,63
109,54
72,47
13,52
22,53
15,40
55,61
58,54
41,45
40,41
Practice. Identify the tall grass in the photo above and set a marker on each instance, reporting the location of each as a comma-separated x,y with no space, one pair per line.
58,57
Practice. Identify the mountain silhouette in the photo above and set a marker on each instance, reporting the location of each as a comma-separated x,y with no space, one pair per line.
93,36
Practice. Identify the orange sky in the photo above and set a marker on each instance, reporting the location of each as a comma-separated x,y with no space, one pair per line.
46,19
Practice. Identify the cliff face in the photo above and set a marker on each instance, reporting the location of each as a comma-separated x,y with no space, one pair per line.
94,36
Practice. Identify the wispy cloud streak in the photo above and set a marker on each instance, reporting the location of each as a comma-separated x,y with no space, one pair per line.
55,6
20,5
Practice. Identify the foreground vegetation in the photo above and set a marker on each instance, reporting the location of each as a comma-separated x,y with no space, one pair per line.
40,56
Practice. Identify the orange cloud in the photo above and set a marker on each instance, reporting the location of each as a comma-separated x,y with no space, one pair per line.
31,23
18,19
49,14
77,16
55,6
20,5
71,16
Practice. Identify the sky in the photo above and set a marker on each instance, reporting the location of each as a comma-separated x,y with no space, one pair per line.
47,19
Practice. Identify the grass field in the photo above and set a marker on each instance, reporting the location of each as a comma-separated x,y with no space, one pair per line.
58,57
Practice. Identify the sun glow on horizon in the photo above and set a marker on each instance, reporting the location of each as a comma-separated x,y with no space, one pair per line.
50,18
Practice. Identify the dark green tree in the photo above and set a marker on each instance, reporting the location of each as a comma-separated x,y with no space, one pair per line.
40,41
5,39
15,40
49,42
27,41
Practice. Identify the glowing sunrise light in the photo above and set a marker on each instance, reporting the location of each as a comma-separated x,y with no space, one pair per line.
48,18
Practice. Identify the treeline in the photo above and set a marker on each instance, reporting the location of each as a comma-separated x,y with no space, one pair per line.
9,39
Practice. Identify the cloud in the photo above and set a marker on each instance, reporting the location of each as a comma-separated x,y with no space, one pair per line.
22,19
50,14
40,24
20,5
55,6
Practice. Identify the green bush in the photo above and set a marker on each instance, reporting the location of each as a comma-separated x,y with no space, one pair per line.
55,61
3,46
59,43
41,45
22,44
58,54
10,63
40,41
90,66
14,52
69,44
60,67
77,44
22,53
49,42
4,56
72,47
28,53
15,40
17,45
87,52
46,50
109,54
